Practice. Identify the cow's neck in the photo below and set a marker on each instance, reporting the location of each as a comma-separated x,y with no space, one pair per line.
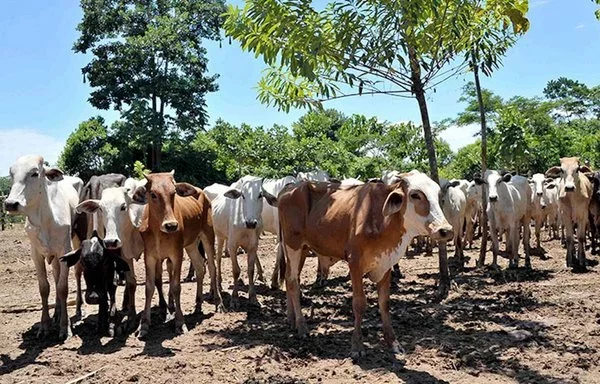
41,211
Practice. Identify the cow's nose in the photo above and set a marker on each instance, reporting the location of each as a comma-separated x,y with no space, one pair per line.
543,206
11,206
442,233
569,188
171,226
539,193
493,198
112,243
92,298
251,224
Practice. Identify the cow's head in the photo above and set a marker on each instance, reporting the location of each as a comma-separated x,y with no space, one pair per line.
423,214
99,267
159,193
493,179
594,178
444,189
29,178
115,206
474,191
569,172
249,193
538,183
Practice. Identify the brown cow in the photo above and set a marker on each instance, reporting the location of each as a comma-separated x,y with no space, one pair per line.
574,195
370,226
177,216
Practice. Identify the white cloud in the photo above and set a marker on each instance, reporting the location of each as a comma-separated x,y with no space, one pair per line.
25,141
458,137
580,26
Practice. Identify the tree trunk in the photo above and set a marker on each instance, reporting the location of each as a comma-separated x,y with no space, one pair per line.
419,92
484,224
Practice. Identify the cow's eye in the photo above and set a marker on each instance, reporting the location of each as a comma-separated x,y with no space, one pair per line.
415,196
153,195
34,174
123,207
260,195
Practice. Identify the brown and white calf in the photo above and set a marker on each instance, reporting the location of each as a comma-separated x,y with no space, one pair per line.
176,216
574,195
370,226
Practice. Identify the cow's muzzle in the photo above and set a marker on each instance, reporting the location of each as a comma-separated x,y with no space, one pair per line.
170,226
92,298
112,243
11,206
493,199
251,224
442,233
569,188
539,193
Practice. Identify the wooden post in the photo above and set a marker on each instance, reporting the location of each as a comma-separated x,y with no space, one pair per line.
2,212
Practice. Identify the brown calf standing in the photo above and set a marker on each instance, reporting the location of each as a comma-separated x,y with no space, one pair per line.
177,216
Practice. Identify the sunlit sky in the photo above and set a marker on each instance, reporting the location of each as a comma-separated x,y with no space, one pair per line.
43,97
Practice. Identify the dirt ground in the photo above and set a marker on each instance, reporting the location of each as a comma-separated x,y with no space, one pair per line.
494,327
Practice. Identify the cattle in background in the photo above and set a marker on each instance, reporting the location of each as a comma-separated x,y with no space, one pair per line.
48,202
509,210
317,175
594,215
176,216
75,181
390,177
238,223
351,181
545,203
99,268
453,202
370,226
473,212
270,218
574,195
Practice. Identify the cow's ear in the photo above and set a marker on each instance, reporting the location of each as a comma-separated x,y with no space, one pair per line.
506,178
88,206
453,184
478,180
139,196
233,193
553,172
72,257
584,169
185,189
272,200
393,203
589,175
53,174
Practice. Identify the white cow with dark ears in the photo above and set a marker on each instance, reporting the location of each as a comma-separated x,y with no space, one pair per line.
48,202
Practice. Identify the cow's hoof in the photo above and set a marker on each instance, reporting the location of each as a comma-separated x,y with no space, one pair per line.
65,334
142,332
79,315
302,331
181,329
220,308
235,303
357,353
43,331
261,278
397,349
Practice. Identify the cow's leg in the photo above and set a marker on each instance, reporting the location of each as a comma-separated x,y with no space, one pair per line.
495,245
581,231
162,304
469,232
538,228
218,258
251,253
593,234
383,296
191,273
294,262
569,240
359,302
323,265
513,239
102,324
259,269
151,267
56,276
130,287
526,246
208,242
44,287
62,290
175,291
235,268
112,314
275,277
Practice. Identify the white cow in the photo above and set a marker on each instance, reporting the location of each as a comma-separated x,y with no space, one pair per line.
216,189
390,177
75,181
454,202
317,175
237,222
49,204
545,202
509,210
473,212
351,181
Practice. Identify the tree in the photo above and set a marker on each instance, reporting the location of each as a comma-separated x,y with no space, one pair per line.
87,149
149,63
472,114
574,99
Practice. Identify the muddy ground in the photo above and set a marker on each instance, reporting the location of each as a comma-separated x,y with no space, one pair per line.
494,327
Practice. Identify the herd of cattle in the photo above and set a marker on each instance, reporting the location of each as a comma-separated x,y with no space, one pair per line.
101,227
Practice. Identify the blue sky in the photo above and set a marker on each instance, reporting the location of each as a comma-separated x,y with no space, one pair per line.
43,97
